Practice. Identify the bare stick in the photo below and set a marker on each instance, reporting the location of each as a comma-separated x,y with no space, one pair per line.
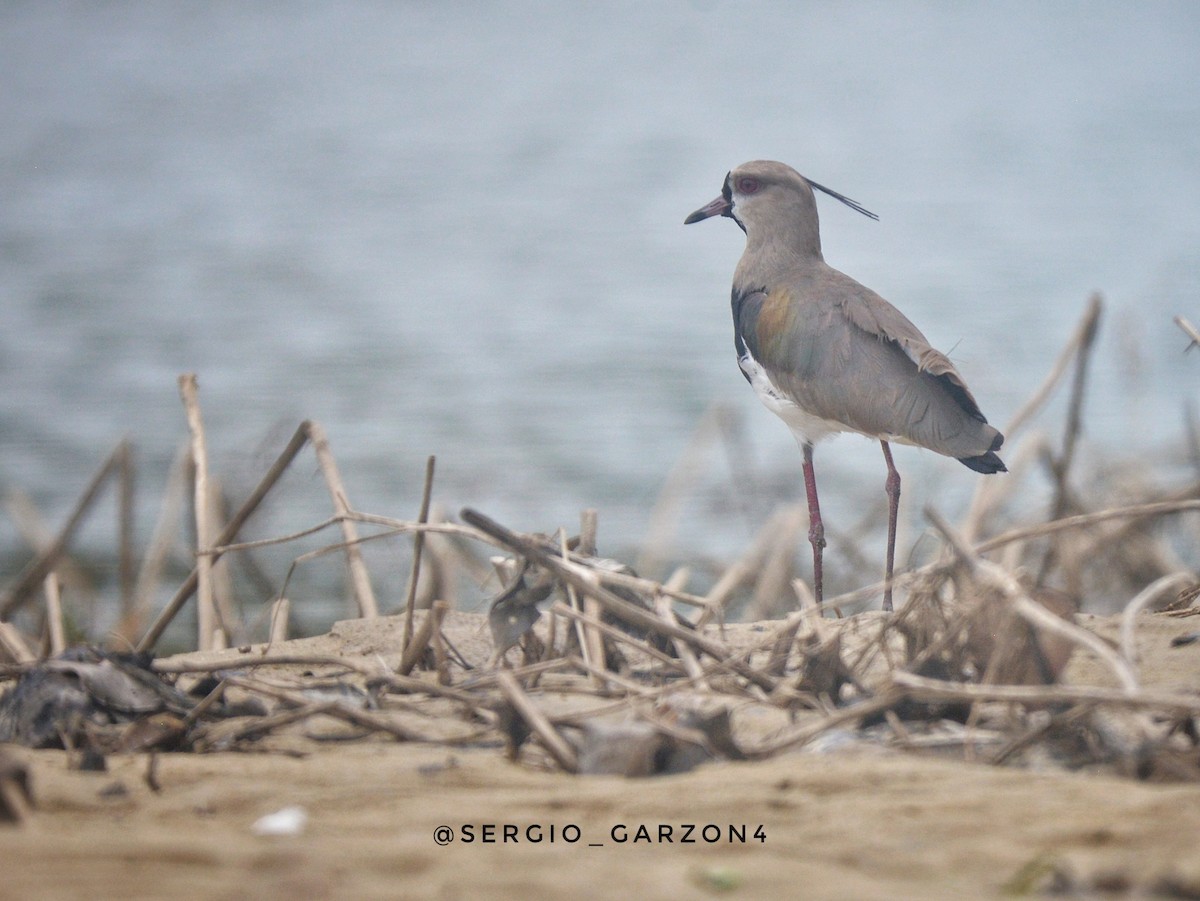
440,563
394,527
335,520
54,615
1060,465
161,540
1031,611
418,546
206,704
280,611
260,726
781,650
1140,601
923,688
769,640
340,709
12,644
588,530
665,608
370,671
1087,341
229,620
612,679
14,799
1190,330
247,661
807,733
299,438
205,609
440,661
35,571
28,521
662,605
614,633
125,514
677,581
562,752
485,679
1085,520
591,642
1037,615
359,578
415,649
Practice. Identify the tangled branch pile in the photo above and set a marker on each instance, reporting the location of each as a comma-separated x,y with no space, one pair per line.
582,665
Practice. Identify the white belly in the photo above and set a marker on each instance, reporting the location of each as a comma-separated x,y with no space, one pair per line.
805,427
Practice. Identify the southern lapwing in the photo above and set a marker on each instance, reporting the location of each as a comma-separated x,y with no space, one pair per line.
828,355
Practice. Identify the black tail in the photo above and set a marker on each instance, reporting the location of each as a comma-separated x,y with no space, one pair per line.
986,463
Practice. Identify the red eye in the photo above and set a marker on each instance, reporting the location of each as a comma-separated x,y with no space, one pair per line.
747,185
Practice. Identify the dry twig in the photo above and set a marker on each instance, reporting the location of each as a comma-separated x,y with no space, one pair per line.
28,580
206,617
562,752
418,546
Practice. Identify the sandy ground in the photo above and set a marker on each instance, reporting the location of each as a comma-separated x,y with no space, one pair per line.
847,825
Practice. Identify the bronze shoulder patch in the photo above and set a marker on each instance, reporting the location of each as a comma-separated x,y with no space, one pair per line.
776,319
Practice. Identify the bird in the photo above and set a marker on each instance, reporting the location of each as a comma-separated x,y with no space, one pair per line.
828,355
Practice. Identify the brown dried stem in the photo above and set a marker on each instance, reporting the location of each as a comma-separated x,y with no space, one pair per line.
562,752
414,650
28,580
298,440
1190,330
923,688
206,617
56,635
561,609
360,579
418,546
342,710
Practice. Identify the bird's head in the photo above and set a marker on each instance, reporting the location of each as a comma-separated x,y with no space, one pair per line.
771,201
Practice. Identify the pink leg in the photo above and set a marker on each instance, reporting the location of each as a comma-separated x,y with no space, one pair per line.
892,487
816,529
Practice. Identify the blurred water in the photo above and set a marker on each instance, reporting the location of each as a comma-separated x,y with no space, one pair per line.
456,229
